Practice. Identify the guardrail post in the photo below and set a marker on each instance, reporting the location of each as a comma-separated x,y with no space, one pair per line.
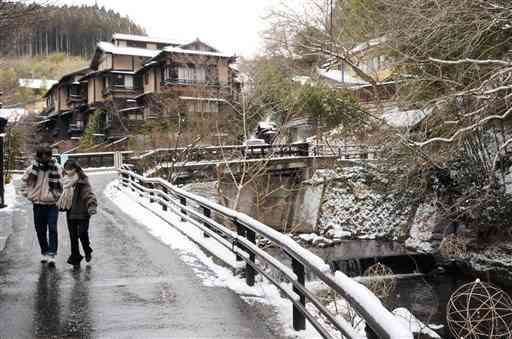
207,213
250,273
124,178
164,206
151,194
141,194
299,320
370,334
240,230
183,202
131,179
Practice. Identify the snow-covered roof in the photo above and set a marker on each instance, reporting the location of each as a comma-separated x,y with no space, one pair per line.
36,83
302,79
123,72
400,118
343,78
131,109
367,45
12,114
267,125
203,99
143,52
144,38
195,52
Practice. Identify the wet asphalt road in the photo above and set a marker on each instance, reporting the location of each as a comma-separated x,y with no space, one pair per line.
135,288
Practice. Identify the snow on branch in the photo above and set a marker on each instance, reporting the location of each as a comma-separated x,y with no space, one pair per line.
464,130
473,61
496,157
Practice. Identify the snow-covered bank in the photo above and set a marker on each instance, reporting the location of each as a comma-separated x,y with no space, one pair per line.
6,213
356,205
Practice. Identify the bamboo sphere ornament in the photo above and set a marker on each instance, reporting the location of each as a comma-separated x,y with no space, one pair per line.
479,310
381,280
453,246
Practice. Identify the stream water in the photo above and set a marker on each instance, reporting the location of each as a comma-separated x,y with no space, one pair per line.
425,294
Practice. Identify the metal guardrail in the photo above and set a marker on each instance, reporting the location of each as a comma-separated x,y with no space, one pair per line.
198,211
348,152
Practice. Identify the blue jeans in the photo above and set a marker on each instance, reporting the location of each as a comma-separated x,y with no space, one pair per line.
45,221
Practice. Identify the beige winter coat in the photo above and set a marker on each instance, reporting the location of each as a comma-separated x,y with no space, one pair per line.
40,192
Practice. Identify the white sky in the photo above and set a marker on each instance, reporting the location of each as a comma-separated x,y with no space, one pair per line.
232,26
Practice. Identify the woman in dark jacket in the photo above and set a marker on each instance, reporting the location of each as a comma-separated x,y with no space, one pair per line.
80,204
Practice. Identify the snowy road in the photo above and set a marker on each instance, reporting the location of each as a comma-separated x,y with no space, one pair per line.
136,287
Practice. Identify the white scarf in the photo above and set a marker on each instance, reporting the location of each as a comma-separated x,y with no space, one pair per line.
66,199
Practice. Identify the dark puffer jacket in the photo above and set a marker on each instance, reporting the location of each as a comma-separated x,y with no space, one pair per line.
84,201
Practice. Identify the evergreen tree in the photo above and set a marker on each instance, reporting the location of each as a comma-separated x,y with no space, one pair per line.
72,30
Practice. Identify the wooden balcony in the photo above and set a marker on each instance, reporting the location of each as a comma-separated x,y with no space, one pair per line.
121,91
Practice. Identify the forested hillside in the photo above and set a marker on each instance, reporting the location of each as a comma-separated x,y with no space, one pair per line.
51,67
73,30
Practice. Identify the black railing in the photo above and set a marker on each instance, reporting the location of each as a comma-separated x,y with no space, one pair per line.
163,156
242,242
348,152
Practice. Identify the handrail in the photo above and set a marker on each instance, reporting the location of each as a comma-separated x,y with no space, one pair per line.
222,148
379,319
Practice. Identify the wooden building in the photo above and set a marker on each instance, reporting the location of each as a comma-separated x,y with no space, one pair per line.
135,79
61,118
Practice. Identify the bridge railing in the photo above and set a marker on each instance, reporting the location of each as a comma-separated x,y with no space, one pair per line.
195,154
97,160
348,152
201,212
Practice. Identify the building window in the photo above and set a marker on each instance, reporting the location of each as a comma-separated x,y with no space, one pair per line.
122,81
80,124
186,73
191,73
108,119
117,80
136,116
128,81
200,73
212,75
203,106
137,44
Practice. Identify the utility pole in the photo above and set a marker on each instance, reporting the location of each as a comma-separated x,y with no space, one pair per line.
3,123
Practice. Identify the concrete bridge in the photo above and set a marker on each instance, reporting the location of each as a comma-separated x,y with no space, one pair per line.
139,287
208,161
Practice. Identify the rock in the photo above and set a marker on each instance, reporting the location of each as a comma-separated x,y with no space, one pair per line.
424,229
317,240
308,237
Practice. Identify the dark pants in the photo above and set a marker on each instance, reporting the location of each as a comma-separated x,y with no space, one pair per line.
78,229
45,222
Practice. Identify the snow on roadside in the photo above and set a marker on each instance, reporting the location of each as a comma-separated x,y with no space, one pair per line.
7,213
211,274
10,195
